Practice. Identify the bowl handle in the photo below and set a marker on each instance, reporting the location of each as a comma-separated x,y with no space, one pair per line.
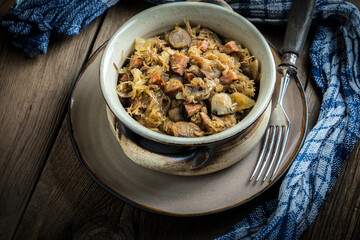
217,2
168,157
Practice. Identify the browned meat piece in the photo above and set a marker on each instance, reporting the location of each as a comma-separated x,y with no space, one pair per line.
135,62
230,47
178,63
179,38
206,118
156,80
202,45
228,77
221,104
192,108
172,87
124,78
217,124
186,129
213,126
189,76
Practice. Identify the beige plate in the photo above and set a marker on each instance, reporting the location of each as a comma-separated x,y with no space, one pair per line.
103,158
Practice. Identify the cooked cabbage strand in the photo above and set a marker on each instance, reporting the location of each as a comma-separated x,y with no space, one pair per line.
188,82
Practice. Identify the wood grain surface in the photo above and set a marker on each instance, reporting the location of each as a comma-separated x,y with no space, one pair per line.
45,193
33,96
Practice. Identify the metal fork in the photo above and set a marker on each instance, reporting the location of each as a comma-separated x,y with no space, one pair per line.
279,125
278,128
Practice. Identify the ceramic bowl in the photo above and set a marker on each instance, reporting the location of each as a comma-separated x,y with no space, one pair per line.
178,155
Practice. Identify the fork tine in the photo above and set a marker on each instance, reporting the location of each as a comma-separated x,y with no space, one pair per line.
268,153
281,152
261,154
276,149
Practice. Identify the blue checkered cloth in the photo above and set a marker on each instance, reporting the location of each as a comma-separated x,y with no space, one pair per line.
30,22
335,62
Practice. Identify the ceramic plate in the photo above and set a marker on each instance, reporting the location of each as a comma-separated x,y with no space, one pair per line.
101,155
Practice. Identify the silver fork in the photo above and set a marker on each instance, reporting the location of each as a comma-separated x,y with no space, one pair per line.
279,125
278,128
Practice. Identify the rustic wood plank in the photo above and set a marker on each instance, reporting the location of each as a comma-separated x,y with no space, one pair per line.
33,97
314,102
117,16
64,196
5,6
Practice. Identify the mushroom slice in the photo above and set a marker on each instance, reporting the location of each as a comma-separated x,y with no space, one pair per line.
175,114
221,104
179,38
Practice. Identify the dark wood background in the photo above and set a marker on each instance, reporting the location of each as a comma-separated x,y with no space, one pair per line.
46,194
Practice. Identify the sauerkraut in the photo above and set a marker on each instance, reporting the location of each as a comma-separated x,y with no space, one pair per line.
188,82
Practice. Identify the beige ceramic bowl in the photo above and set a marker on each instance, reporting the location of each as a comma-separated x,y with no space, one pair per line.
178,155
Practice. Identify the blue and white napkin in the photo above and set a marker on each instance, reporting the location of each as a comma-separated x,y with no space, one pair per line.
335,62
30,22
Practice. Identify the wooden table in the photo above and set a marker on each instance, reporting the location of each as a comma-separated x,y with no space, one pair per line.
46,193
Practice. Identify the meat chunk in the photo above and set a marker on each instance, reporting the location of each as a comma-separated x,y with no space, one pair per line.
217,124
124,78
230,47
156,80
192,108
228,77
172,87
179,38
179,62
189,76
186,129
135,62
202,45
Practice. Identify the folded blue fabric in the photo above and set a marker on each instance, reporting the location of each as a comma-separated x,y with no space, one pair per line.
335,65
31,21
334,56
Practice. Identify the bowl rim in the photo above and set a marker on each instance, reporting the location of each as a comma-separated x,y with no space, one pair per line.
145,132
